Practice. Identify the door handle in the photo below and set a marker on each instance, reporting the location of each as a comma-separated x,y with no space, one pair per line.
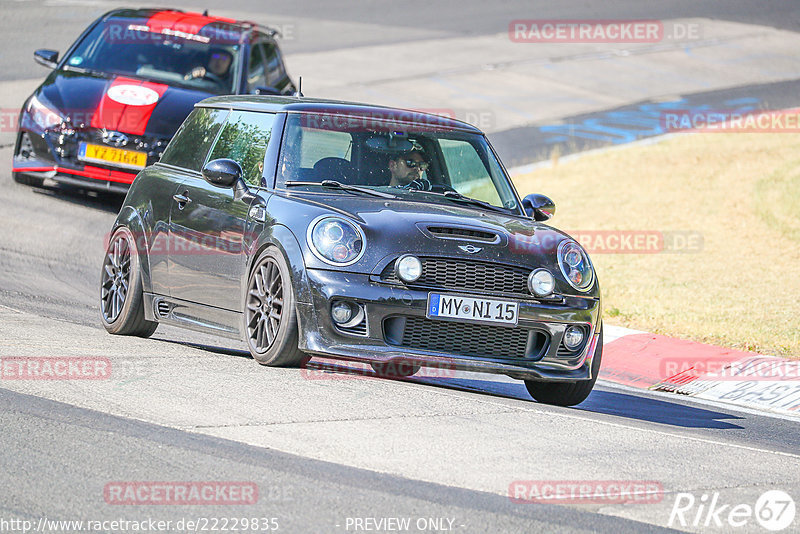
181,199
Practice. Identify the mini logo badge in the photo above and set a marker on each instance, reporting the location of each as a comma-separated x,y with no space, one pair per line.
115,138
470,249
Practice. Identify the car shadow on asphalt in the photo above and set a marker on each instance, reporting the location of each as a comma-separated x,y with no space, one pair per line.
600,401
98,200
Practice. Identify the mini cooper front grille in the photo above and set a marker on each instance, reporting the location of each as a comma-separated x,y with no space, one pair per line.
465,339
461,275
358,330
465,234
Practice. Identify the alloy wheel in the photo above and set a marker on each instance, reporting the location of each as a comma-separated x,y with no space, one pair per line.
264,305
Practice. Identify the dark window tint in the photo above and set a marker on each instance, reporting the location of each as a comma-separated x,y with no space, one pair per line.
274,67
244,140
190,145
256,73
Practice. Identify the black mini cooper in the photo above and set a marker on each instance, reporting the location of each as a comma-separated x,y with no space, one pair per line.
309,227
116,97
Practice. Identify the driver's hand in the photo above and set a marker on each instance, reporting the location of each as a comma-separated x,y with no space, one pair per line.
197,72
420,184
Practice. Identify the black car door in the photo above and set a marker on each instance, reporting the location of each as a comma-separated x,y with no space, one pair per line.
182,159
207,225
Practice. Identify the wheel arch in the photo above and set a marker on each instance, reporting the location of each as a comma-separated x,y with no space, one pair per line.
130,218
282,238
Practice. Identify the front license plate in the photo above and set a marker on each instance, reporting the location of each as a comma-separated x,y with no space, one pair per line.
472,309
116,156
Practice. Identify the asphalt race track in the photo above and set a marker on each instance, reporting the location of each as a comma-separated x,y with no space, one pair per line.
336,452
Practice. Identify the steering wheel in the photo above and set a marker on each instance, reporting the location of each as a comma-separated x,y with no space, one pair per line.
441,188
203,73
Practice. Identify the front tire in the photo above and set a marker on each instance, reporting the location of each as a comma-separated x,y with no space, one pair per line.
121,299
567,393
270,313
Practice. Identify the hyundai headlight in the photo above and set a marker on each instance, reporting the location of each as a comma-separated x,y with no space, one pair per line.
335,240
575,265
43,115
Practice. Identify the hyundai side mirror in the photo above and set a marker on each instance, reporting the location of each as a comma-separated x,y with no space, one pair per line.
47,58
222,172
538,207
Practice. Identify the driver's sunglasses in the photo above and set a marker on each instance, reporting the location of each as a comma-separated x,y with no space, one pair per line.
412,164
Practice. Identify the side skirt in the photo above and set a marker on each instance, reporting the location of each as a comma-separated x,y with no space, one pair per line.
193,316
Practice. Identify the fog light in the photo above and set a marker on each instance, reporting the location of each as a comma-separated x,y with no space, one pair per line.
408,268
541,283
573,337
341,312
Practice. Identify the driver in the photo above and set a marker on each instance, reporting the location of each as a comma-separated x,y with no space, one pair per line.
217,66
407,169
219,63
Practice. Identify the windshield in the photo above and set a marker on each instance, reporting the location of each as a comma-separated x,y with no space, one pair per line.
425,162
205,60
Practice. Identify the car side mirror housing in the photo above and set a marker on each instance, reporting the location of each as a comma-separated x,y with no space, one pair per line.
266,90
538,207
222,172
47,58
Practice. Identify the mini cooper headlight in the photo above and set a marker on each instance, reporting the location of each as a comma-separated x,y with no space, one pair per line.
541,283
408,268
335,240
575,265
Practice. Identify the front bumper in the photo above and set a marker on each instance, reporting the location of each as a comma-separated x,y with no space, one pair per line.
52,154
385,303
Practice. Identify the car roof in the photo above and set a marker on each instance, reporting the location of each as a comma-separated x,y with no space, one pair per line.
178,19
294,104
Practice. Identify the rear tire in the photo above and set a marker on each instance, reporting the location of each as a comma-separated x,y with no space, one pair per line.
121,299
270,314
567,393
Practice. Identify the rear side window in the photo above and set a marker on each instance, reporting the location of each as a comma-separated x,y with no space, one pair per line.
191,143
256,73
244,140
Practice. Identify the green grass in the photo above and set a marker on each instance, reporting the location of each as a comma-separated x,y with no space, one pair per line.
741,192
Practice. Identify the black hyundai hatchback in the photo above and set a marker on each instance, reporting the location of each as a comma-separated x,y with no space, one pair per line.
309,227
119,93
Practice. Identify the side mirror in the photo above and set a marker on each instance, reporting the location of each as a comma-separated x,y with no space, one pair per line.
266,90
538,207
48,58
222,172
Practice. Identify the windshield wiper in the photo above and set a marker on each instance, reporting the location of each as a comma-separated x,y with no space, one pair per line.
455,196
333,184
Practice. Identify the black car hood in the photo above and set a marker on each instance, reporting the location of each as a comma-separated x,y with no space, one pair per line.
82,97
388,222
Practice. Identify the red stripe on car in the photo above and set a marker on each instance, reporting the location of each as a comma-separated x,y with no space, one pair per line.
113,114
184,22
